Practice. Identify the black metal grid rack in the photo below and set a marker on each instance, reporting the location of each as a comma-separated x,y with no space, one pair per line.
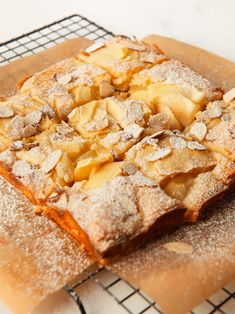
49,35
130,300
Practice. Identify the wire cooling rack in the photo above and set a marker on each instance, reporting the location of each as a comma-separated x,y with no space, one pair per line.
49,35
127,298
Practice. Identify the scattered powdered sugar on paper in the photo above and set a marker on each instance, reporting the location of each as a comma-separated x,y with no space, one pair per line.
34,251
212,239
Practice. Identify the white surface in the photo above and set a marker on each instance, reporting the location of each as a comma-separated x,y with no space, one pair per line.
205,23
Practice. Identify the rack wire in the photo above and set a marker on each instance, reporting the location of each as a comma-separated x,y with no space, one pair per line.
49,35
128,298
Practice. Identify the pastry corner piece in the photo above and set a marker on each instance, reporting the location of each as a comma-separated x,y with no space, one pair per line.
118,216
37,257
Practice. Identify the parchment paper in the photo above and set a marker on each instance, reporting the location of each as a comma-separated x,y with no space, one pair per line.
176,281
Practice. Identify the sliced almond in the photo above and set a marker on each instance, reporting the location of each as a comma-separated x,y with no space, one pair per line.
226,117
135,46
158,119
128,168
47,111
121,36
211,136
106,89
179,247
15,127
94,47
199,130
33,117
229,96
196,146
64,79
51,161
158,154
7,157
148,57
100,121
29,130
178,142
21,168
134,130
64,129
158,134
17,145
215,111
6,112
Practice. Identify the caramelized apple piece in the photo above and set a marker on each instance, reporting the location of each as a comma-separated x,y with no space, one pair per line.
104,174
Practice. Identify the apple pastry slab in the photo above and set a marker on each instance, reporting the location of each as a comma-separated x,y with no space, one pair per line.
118,145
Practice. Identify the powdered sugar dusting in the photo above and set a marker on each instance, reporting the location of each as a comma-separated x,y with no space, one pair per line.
174,72
120,209
42,256
212,238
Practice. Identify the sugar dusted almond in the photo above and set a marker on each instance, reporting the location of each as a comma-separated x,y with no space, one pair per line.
33,117
199,130
129,168
158,134
21,168
17,145
29,130
158,119
6,112
51,161
229,96
211,136
196,146
94,47
178,142
215,111
106,89
64,129
64,79
15,127
135,46
226,117
179,247
7,157
47,111
158,154
134,130
148,57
